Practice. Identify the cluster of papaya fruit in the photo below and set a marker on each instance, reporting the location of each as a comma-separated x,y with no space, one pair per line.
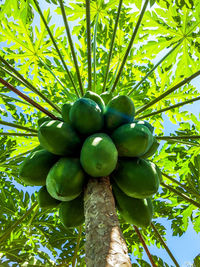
97,136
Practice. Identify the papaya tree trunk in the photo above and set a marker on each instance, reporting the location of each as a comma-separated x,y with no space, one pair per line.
105,245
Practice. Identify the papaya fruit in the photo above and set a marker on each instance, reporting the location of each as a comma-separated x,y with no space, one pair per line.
35,168
152,150
106,96
98,155
96,98
145,123
59,138
132,140
86,116
135,211
65,111
45,200
71,213
136,177
39,147
65,180
43,119
120,110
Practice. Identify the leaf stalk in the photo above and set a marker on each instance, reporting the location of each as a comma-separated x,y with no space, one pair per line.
182,185
149,73
71,45
17,126
57,79
169,91
29,85
178,137
15,225
144,246
164,245
183,196
12,75
169,108
130,45
15,157
56,47
112,44
89,44
17,134
94,52
26,98
15,99
77,246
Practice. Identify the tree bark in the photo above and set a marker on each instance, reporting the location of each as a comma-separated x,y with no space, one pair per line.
105,245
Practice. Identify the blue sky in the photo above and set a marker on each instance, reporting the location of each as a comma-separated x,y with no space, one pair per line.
179,246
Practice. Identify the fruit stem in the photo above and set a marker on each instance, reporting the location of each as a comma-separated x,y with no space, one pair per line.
89,44
165,245
15,225
130,45
26,83
168,108
144,246
29,100
71,45
169,91
105,245
149,73
112,44
77,246
176,191
17,126
56,47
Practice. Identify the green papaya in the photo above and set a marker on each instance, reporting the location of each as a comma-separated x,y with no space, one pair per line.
106,96
132,140
46,118
86,116
65,180
59,138
35,168
120,110
98,155
71,213
39,147
135,211
65,111
145,123
45,200
96,98
43,119
152,150
136,177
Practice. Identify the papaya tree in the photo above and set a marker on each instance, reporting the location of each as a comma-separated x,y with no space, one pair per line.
100,130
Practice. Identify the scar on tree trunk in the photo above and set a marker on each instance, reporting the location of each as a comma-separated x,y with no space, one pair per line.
105,245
